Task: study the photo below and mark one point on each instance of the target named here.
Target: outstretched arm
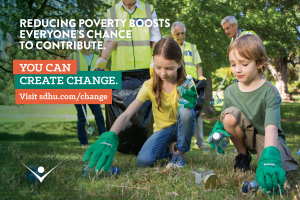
(122, 120)
(103, 150)
(108, 47)
(270, 175)
(271, 135)
(199, 71)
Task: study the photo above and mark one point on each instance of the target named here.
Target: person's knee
(188, 113)
(144, 161)
(229, 120)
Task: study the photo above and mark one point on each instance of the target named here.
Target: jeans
(96, 110)
(156, 147)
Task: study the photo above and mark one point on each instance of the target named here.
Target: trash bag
(200, 87)
(140, 126)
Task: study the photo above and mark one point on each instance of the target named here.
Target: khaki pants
(199, 131)
(255, 142)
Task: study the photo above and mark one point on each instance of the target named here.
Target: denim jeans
(156, 147)
(96, 110)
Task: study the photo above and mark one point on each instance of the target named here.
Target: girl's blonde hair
(250, 47)
(170, 50)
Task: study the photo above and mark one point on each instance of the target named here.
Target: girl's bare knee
(229, 120)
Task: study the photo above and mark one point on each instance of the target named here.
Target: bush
(217, 78)
(296, 84)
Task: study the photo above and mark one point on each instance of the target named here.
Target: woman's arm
(108, 48)
(271, 135)
(70, 56)
(122, 120)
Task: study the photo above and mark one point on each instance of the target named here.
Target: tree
(277, 23)
(12, 11)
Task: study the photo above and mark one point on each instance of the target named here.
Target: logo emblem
(41, 170)
(188, 53)
(139, 21)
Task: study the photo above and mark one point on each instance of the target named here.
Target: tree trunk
(273, 72)
(208, 108)
(281, 82)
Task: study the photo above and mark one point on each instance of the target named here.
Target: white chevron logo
(41, 170)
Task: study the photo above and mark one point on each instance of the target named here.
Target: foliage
(12, 11)
(296, 85)
(218, 76)
(276, 22)
(293, 74)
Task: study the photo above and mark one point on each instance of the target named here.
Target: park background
(46, 135)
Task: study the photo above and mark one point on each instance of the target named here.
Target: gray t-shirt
(261, 106)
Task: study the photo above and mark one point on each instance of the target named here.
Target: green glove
(269, 172)
(103, 151)
(190, 96)
(219, 128)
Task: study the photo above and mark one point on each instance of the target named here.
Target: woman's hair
(170, 50)
(250, 47)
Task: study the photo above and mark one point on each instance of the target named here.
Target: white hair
(79, 36)
(177, 24)
(231, 19)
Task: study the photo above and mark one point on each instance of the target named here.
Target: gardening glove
(103, 151)
(101, 62)
(219, 128)
(190, 96)
(269, 172)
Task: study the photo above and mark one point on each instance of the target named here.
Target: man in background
(135, 52)
(85, 60)
(192, 62)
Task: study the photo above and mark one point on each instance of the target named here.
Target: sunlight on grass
(48, 142)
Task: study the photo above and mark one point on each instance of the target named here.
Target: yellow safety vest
(135, 52)
(82, 64)
(240, 33)
(189, 59)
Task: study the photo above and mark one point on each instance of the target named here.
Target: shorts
(255, 142)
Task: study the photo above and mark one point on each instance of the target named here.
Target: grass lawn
(46, 135)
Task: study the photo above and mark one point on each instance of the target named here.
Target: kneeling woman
(171, 124)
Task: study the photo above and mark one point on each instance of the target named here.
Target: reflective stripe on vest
(122, 43)
(135, 52)
(82, 64)
(248, 32)
(189, 59)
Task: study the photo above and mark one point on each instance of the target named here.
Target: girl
(171, 124)
(251, 115)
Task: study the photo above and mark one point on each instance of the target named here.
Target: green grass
(47, 141)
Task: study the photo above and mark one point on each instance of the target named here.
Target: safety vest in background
(82, 64)
(240, 32)
(189, 59)
(135, 52)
